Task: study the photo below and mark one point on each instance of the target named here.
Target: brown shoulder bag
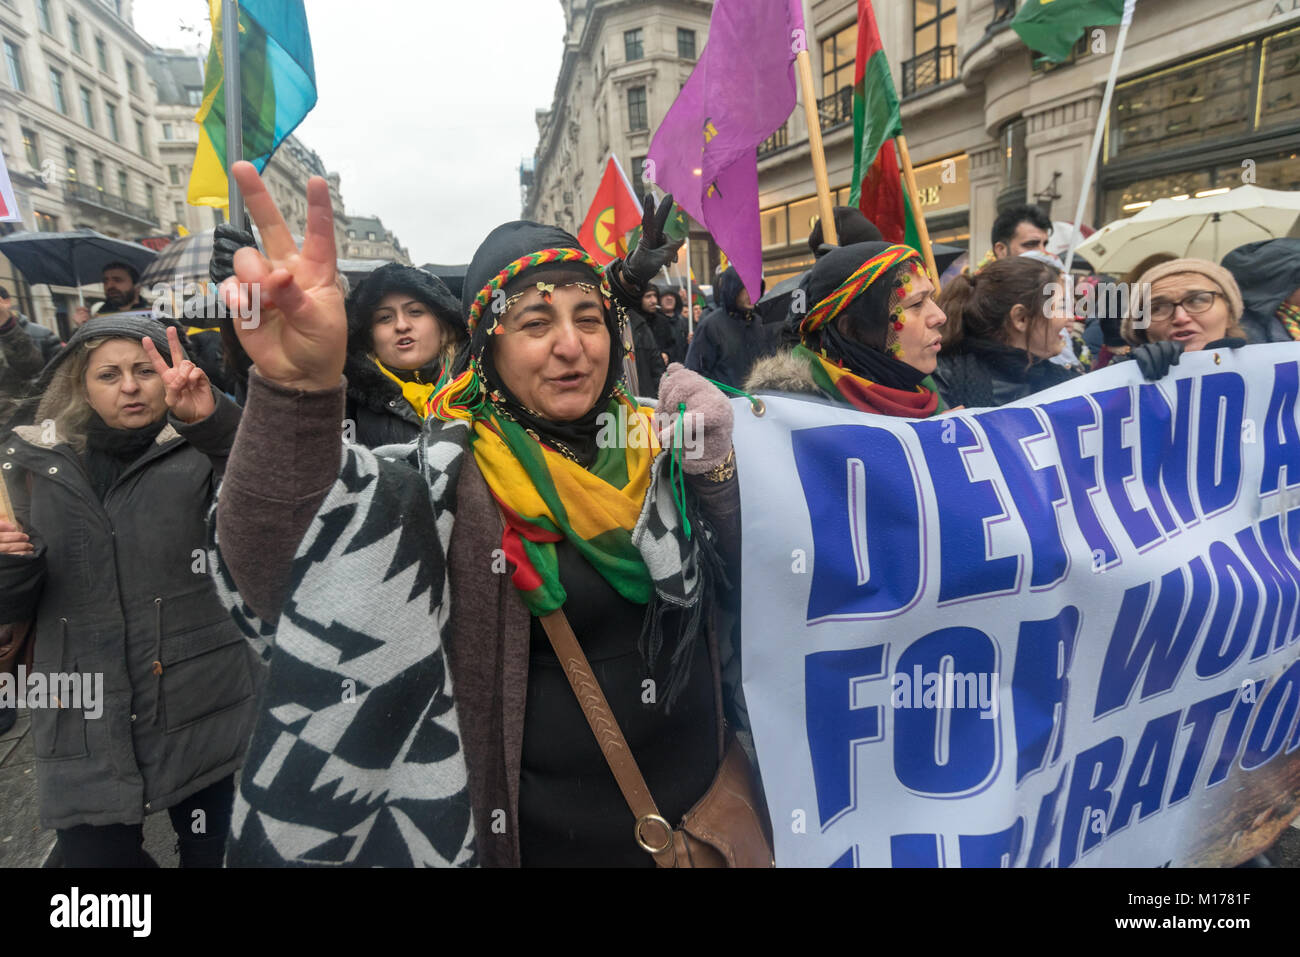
(727, 827)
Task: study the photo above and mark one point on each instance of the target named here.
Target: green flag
(1053, 27)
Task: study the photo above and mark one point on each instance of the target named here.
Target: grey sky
(425, 108)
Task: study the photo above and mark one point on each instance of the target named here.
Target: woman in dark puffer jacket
(1005, 324)
(111, 495)
(403, 329)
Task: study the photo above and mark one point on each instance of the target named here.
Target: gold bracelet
(724, 469)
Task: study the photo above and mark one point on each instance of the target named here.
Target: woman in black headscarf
(536, 461)
(403, 329)
(870, 338)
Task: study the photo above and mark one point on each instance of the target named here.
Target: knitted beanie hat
(1211, 271)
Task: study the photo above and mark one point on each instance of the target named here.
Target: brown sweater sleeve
(284, 461)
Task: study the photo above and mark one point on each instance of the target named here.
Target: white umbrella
(1205, 228)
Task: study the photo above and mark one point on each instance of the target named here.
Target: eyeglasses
(1194, 304)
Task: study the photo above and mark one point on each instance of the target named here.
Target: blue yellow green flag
(277, 85)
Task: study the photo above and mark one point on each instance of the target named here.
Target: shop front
(1205, 126)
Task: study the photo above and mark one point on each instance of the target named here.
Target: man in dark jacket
(1268, 274)
(121, 289)
(731, 338)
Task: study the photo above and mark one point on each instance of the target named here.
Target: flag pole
(234, 103)
(914, 199)
(829, 234)
(690, 296)
(1097, 135)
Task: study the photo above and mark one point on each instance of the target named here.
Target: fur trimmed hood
(783, 372)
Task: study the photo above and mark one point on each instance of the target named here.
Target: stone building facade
(368, 239)
(624, 63)
(1208, 98)
(76, 107)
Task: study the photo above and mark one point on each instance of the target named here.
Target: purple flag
(741, 91)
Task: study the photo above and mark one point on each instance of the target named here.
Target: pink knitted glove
(706, 427)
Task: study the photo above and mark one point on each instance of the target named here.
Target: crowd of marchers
(364, 619)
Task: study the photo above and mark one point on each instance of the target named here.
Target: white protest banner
(1058, 633)
(8, 205)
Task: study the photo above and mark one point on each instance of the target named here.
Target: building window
(74, 34)
(14, 61)
(685, 43)
(634, 43)
(174, 175)
(370, 236)
(167, 131)
(101, 53)
(45, 223)
(131, 83)
(87, 107)
(934, 44)
(70, 159)
(839, 51)
(139, 139)
(636, 109)
(98, 166)
(43, 12)
(178, 212)
(56, 89)
(194, 94)
(110, 110)
(148, 198)
(123, 184)
(31, 149)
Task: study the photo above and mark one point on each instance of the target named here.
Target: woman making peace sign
(110, 494)
(536, 489)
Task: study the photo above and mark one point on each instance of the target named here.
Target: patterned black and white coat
(356, 758)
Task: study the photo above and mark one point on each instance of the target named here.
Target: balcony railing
(837, 108)
(1003, 10)
(102, 199)
(778, 140)
(929, 69)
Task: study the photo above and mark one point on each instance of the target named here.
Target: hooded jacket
(1267, 273)
(728, 341)
(114, 590)
(375, 405)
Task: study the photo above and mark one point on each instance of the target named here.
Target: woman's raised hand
(189, 396)
(297, 333)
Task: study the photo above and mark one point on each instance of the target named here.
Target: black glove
(1155, 359)
(1231, 342)
(1110, 333)
(226, 241)
(654, 251)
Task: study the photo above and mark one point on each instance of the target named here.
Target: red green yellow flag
(877, 186)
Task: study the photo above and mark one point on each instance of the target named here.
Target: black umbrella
(69, 259)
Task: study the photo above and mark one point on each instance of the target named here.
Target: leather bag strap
(652, 832)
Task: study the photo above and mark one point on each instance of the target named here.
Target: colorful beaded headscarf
(483, 301)
(830, 308)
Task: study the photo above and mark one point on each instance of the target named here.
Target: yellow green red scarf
(416, 394)
(841, 385)
(546, 497)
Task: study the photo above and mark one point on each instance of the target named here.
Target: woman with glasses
(1194, 305)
